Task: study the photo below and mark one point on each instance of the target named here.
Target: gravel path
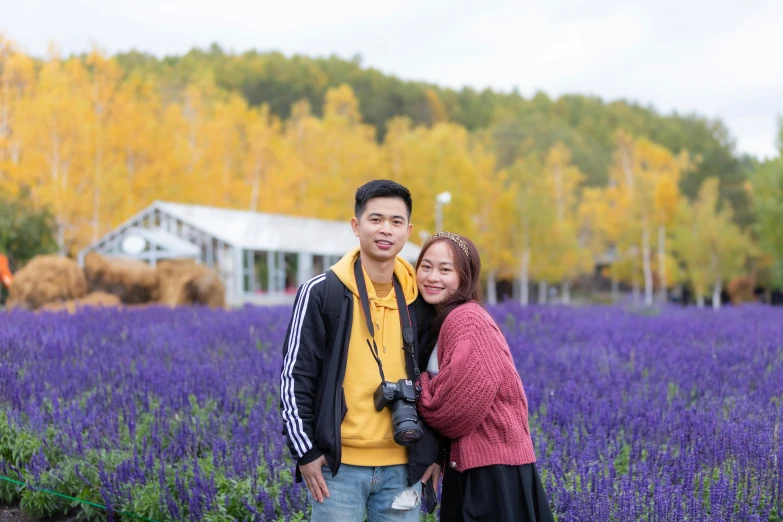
(14, 514)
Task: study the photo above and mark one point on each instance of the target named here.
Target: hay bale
(94, 300)
(46, 279)
(133, 281)
(183, 282)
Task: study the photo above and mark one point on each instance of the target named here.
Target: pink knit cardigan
(477, 399)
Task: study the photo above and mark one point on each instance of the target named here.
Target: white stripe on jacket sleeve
(302, 443)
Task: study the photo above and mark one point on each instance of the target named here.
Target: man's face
(383, 228)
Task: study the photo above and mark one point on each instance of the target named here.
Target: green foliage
(768, 201)
(9, 492)
(17, 446)
(623, 460)
(25, 231)
(39, 502)
(146, 502)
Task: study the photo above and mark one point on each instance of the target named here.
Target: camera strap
(405, 319)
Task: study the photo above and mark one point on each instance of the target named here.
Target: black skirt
(494, 493)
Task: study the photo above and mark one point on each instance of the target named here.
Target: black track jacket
(312, 402)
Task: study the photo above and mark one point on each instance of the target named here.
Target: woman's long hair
(468, 269)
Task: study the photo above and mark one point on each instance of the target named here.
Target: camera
(400, 397)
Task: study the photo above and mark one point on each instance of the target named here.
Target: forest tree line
(548, 188)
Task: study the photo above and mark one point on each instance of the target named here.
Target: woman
(472, 394)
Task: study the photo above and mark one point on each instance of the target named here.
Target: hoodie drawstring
(379, 321)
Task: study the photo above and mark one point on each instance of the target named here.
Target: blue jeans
(359, 489)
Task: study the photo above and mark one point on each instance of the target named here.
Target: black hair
(467, 265)
(381, 188)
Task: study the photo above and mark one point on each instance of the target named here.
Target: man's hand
(311, 473)
(434, 472)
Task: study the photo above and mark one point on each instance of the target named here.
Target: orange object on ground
(5, 272)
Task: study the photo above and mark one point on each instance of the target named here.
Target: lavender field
(172, 414)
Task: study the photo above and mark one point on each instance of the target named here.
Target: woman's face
(436, 276)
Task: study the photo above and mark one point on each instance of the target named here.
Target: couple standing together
(393, 376)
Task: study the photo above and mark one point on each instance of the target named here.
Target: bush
(25, 231)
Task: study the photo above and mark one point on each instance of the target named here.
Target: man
(344, 448)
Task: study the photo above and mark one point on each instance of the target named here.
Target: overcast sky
(719, 58)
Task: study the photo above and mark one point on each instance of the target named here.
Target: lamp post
(441, 199)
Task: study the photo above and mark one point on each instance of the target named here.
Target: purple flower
(669, 417)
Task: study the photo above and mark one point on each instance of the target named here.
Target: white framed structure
(261, 258)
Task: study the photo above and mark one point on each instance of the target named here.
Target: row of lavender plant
(165, 414)
(172, 414)
(674, 417)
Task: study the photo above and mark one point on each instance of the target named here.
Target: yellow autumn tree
(712, 246)
(17, 77)
(55, 160)
(443, 158)
(495, 198)
(335, 155)
(102, 84)
(608, 233)
(548, 242)
(140, 142)
(430, 161)
(648, 174)
(437, 112)
(570, 254)
(533, 218)
(225, 154)
(301, 164)
(263, 160)
(189, 148)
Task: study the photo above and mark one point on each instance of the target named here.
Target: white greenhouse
(261, 258)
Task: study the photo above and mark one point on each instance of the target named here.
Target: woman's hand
(433, 471)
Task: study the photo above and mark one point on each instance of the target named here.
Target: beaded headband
(453, 237)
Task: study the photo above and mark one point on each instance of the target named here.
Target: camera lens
(405, 421)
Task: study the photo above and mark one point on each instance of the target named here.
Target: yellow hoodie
(367, 434)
